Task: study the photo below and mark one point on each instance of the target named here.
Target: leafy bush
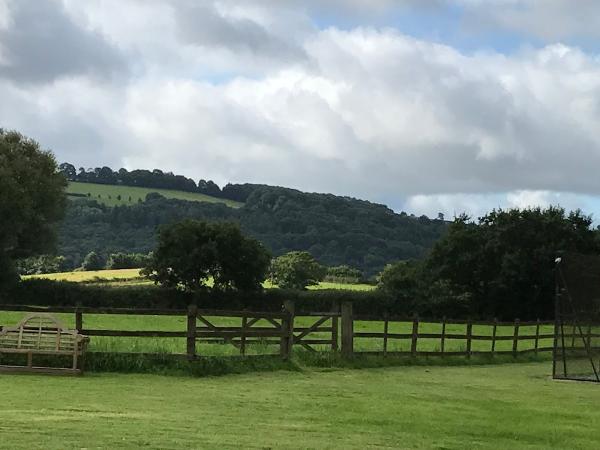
(343, 274)
(127, 260)
(92, 261)
(62, 293)
(42, 264)
(296, 270)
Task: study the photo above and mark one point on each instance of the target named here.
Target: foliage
(400, 281)
(191, 252)
(336, 230)
(155, 179)
(41, 264)
(143, 178)
(343, 274)
(127, 260)
(32, 200)
(46, 292)
(92, 261)
(503, 264)
(296, 270)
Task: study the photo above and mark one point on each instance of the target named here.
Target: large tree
(191, 252)
(502, 265)
(32, 200)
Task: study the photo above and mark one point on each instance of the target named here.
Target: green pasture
(102, 192)
(122, 277)
(508, 406)
(178, 345)
(91, 275)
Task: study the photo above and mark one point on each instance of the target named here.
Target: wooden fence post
(287, 328)
(516, 338)
(494, 336)
(469, 337)
(78, 319)
(347, 330)
(443, 338)
(415, 336)
(334, 333)
(385, 335)
(243, 336)
(191, 332)
(537, 335)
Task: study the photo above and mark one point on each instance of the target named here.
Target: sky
(427, 106)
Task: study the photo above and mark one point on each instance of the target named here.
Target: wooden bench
(42, 334)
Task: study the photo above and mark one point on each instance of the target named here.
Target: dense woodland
(336, 230)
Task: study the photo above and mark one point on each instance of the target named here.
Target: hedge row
(61, 293)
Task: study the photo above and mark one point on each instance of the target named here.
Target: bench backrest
(40, 331)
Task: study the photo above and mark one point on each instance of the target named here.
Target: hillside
(111, 195)
(336, 230)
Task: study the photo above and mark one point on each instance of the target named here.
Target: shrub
(127, 260)
(92, 261)
(296, 270)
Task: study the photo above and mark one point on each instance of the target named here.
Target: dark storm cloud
(42, 43)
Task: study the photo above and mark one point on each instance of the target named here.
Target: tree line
(499, 265)
(156, 179)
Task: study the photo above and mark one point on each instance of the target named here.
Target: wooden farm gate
(321, 323)
(255, 327)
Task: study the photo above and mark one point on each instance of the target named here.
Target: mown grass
(102, 192)
(130, 277)
(485, 407)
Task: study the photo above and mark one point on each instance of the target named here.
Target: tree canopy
(501, 265)
(191, 252)
(296, 270)
(32, 200)
(335, 230)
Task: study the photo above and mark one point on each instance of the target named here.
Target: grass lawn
(102, 192)
(478, 407)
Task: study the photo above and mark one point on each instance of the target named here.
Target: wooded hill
(336, 230)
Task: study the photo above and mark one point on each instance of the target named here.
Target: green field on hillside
(108, 194)
(509, 406)
(122, 277)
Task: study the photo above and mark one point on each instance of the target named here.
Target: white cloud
(366, 112)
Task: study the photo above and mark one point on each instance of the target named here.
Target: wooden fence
(281, 330)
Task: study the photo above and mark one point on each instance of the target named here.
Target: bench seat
(42, 334)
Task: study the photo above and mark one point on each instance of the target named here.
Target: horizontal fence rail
(330, 331)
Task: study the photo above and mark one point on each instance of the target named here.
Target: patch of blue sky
(447, 24)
